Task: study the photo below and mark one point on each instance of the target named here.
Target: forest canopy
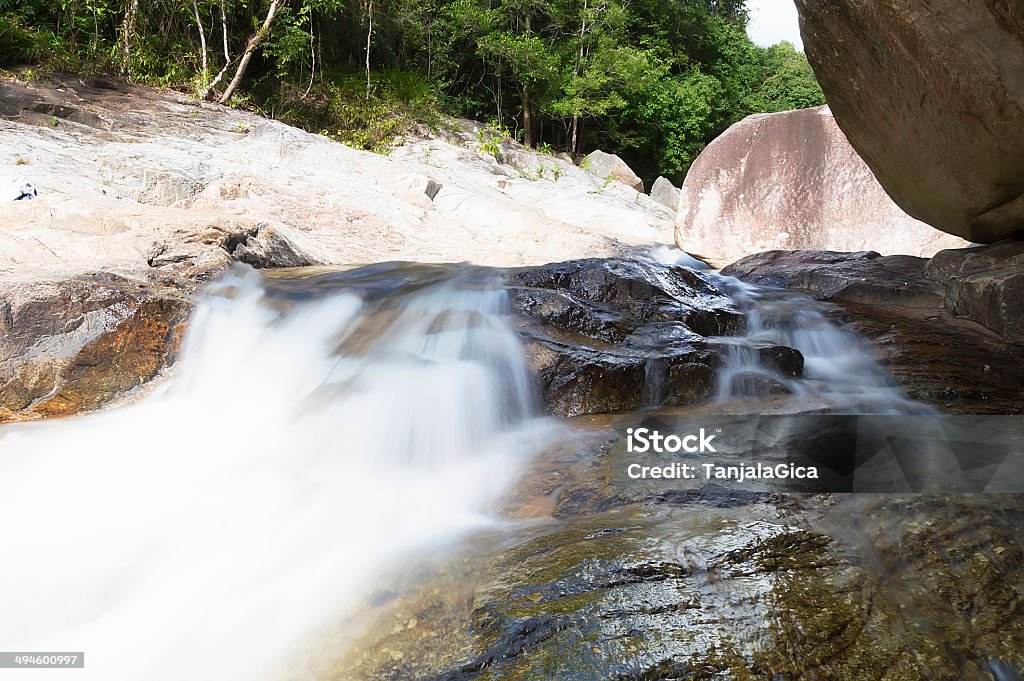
(651, 80)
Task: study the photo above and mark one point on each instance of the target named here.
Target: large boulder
(605, 165)
(931, 95)
(791, 181)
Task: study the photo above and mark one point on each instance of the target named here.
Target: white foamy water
(211, 530)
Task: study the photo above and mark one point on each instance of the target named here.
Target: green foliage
(338, 107)
(409, 88)
(789, 81)
(24, 45)
(490, 139)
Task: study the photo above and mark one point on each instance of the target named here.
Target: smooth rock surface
(604, 165)
(863, 277)
(931, 95)
(610, 580)
(791, 181)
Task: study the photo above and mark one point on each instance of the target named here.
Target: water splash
(211, 530)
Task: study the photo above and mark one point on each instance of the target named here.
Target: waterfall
(212, 530)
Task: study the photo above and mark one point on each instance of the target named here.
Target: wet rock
(898, 588)
(939, 359)
(985, 284)
(865, 277)
(614, 335)
(76, 345)
(605, 165)
(787, 361)
(645, 291)
(931, 95)
(791, 181)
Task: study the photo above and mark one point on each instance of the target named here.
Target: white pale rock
(170, 185)
(665, 193)
(605, 165)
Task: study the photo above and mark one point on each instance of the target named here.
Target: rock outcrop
(604, 165)
(863, 277)
(931, 95)
(985, 285)
(791, 181)
(73, 345)
(144, 195)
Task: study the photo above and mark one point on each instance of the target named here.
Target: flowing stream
(308, 441)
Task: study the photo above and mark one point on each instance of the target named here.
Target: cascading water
(210, 531)
(840, 372)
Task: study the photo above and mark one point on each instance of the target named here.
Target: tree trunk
(369, 39)
(527, 106)
(227, 55)
(250, 49)
(202, 42)
(128, 32)
(527, 119)
(579, 65)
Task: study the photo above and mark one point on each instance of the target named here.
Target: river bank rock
(634, 586)
(931, 95)
(143, 186)
(986, 285)
(863, 277)
(72, 346)
(791, 181)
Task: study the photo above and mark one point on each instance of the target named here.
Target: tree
(788, 81)
(250, 48)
